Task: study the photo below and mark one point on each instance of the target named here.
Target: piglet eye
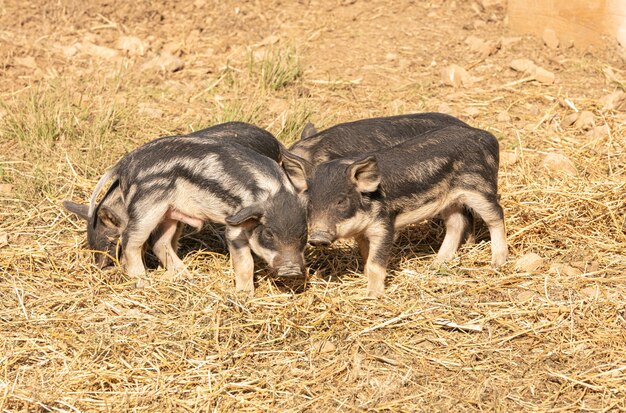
(343, 203)
(267, 234)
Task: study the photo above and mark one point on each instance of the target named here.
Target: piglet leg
(241, 257)
(380, 238)
(166, 240)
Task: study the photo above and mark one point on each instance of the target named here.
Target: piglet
(370, 196)
(226, 174)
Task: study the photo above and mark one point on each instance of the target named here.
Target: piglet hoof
(438, 261)
(375, 293)
(499, 260)
(245, 290)
(244, 294)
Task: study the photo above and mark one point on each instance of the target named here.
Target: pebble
(550, 38)
(509, 158)
(528, 66)
(614, 101)
(149, 111)
(556, 162)
(166, 62)
(391, 57)
(585, 121)
(569, 120)
(323, 347)
(523, 65)
(600, 131)
(503, 117)
(543, 76)
(456, 76)
(98, 51)
(27, 61)
(132, 45)
(530, 262)
(564, 269)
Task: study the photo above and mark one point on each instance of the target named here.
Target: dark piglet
(370, 196)
(369, 135)
(105, 227)
(226, 174)
(366, 135)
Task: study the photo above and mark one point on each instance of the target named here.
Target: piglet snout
(290, 270)
(320, 238)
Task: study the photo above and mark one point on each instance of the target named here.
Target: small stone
(530, 262)
(585, 121)
(509, 41)
(69, 51)
(398, 105)
(556, 268)
(278, 106)
(543, 76)
(614, 101)
(474, 43)
(446, 108)
(6, 188)
(172, 48)
(569, 120)
(586, 266)
(471, 112)
(526, 296)
(550, 38)
(4, 239)
(558, 163)
(98, 51)
(323, 347)
(523, 65)
(269, 40)
(503, 117)
(166, 62)
(508, 158)
(479, 24)
(590, 292)
(149, 111)
(27, 61)
(570, 271)
(489, 48)
(131, 45)
(456, 76)
(600, 131)
(391, 57)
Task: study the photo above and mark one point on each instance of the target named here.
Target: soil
(81, 83)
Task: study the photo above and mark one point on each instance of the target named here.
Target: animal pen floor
(82, 83)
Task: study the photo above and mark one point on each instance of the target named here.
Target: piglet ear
(364, 174)
(109, 218)
(80, 210)
(297, 170)
(308, 131)
(247, 217)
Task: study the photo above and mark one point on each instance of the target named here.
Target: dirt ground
(82, 83)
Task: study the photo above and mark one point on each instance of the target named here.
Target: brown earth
(546, 336)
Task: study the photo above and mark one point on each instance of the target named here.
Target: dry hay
(454, 338)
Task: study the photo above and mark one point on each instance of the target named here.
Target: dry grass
(455, 338)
